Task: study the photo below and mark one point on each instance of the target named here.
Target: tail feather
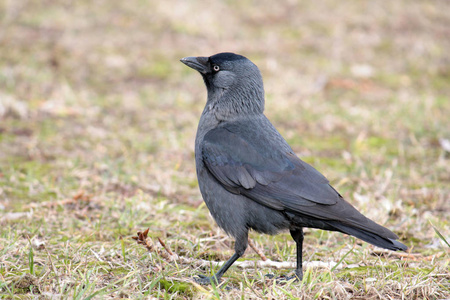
(369, 237)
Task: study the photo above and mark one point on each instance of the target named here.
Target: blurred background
(98, 116)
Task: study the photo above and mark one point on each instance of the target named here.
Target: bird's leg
(297, 235)
(239, 247)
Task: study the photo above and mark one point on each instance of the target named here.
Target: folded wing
(245, 162)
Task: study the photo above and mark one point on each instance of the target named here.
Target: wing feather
(264, 173)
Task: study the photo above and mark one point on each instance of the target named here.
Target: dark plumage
(249, 176)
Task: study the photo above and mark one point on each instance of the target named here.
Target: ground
(97, 126)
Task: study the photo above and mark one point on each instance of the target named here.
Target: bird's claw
(205, 280)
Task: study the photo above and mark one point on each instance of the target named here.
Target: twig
(263, 264)
(165, 247)
(259, 252)
(143, 239)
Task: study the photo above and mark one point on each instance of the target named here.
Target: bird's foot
(205, 280)
(284, 279)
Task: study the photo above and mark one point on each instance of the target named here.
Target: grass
(97, 128)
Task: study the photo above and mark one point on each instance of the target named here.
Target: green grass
(97, 129)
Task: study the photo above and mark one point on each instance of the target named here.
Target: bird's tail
(370, 237)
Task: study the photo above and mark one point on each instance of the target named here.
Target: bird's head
(233, 82)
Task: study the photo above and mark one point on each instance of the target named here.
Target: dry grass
(97, 126)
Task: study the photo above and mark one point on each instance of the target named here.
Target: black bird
(249, 176)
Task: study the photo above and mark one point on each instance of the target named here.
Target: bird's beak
(197, 63)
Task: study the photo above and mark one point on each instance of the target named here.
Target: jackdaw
(249, 176)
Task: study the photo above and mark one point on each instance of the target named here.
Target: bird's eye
(216, 68)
